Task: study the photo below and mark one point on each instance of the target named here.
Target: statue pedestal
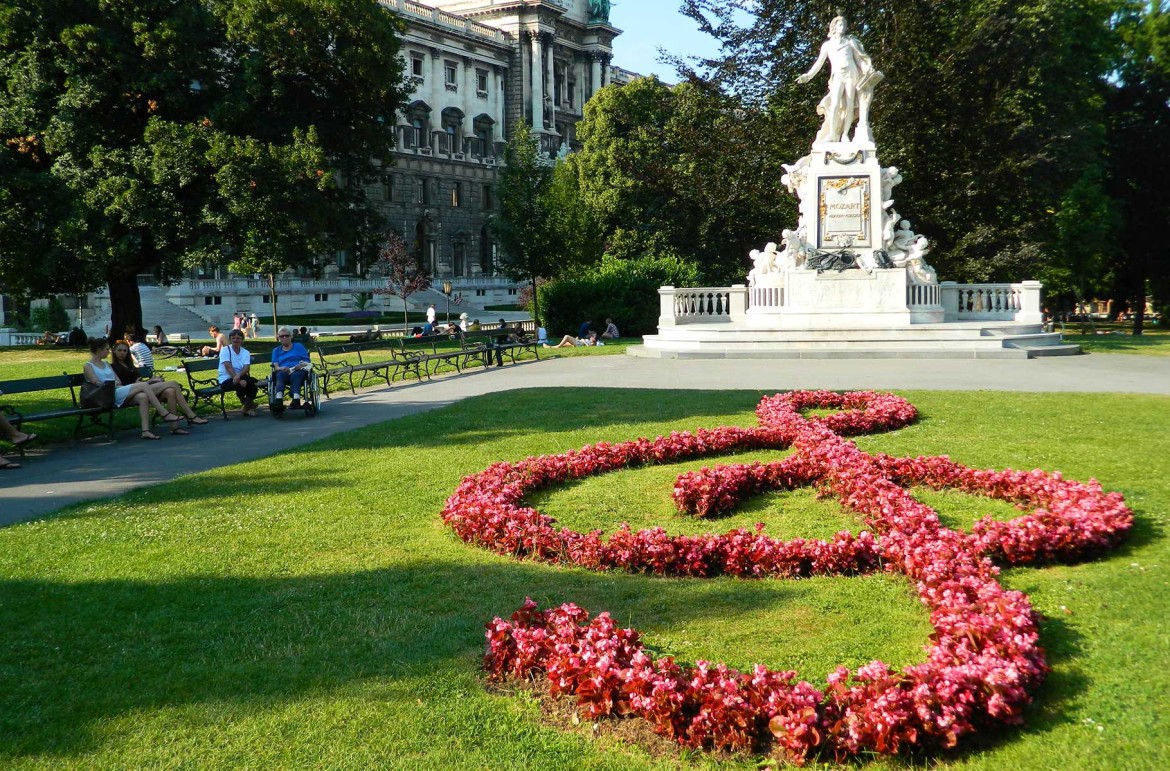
(854, 299)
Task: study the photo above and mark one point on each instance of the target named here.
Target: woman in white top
(97, 371)
(235, 365)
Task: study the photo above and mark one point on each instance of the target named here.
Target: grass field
(1116, 338)
(30, 361)
(253, 618)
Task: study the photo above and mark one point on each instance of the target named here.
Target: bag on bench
(101, 396)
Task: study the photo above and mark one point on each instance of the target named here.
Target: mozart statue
(851, 82)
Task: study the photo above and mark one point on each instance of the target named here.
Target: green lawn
(253, 618)
(1117, 338)
(31, 361)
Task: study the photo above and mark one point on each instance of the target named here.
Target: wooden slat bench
(359, 363)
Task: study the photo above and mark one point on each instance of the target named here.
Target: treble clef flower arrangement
(982, 662)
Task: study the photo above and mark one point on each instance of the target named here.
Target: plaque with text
(843, 212)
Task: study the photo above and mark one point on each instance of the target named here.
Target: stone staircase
(962, 340)
(157, 309)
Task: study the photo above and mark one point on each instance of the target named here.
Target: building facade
(477, 67)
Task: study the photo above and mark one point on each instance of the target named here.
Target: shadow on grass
(76, 655)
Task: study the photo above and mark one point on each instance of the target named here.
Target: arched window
(418, 115)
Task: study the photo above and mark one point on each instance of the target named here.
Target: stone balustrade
(700, 304)
(992, 302)
(960, 302)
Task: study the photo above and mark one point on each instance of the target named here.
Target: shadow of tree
(85, 652)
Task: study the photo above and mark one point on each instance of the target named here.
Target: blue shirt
(289, 358)
(584, 330)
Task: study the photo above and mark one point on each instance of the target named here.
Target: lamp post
(447, 291)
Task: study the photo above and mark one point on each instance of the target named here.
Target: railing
(922, 295)
(448, 20)
(699, 305)
(960, 302)
(992, 302)
(250, 285)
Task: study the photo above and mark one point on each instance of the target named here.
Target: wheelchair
(310, 397)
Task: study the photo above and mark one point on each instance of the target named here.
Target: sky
(649, 24)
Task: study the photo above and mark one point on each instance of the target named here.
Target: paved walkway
(95, 469)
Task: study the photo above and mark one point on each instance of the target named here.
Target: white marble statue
(796, 174)
(917, 269)
(891, 178)
(851, 82)
(795, 254)
(764, 263)
(900, 243)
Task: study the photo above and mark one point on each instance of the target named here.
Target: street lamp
(447, 291)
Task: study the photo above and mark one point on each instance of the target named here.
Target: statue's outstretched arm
(812, 73)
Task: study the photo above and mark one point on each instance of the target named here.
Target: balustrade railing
(960, 302)
(923, 295)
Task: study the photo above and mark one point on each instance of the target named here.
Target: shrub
(53, 318)
(623, 290)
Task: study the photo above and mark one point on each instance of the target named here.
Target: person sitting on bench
(290, 369)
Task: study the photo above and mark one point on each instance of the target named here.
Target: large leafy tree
(145, 136)
(681, 172)
(1139, 155)
(991, 108)
(526, 225)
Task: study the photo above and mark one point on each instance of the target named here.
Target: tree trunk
(125, 306)
(272, 297)
(535, 304)
(405, 320)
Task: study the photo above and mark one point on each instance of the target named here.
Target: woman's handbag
(101, 396)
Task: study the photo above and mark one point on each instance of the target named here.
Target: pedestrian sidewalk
(94, 469)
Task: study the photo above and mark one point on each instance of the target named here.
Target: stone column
(438, 91)
(550, 79)
(537, 77)
(595, 83)
(605, 60)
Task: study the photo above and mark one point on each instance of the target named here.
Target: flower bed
(984, 657)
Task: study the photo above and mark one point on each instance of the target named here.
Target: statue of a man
(851, 82)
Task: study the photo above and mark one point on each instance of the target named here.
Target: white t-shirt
(431, 315)
(238, 361)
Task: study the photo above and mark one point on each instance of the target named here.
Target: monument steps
(1010, 340)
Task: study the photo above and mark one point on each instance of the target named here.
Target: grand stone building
(478, 68)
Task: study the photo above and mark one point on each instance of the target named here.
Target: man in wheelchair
(291, 369)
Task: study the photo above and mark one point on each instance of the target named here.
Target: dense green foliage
(1139, 157)
(253, 617)
(623, 290)
(525, 227)
(681, 172)
(146, 136)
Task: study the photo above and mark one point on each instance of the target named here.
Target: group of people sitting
(290, 370)
(587, 336)
(119, 364)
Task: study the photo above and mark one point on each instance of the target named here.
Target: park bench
(176, 345)
(379, 359)
(203, 380)
(425, 351)
(484, 341)
(87, 417)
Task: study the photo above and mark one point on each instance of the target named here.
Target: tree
(404, 274)
(685, 172)
(525, 226)
(992, 108)
(128, 132)
(1138, 111)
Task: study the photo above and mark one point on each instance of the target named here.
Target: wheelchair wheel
(312, 400)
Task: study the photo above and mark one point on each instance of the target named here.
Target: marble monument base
(851, 299)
